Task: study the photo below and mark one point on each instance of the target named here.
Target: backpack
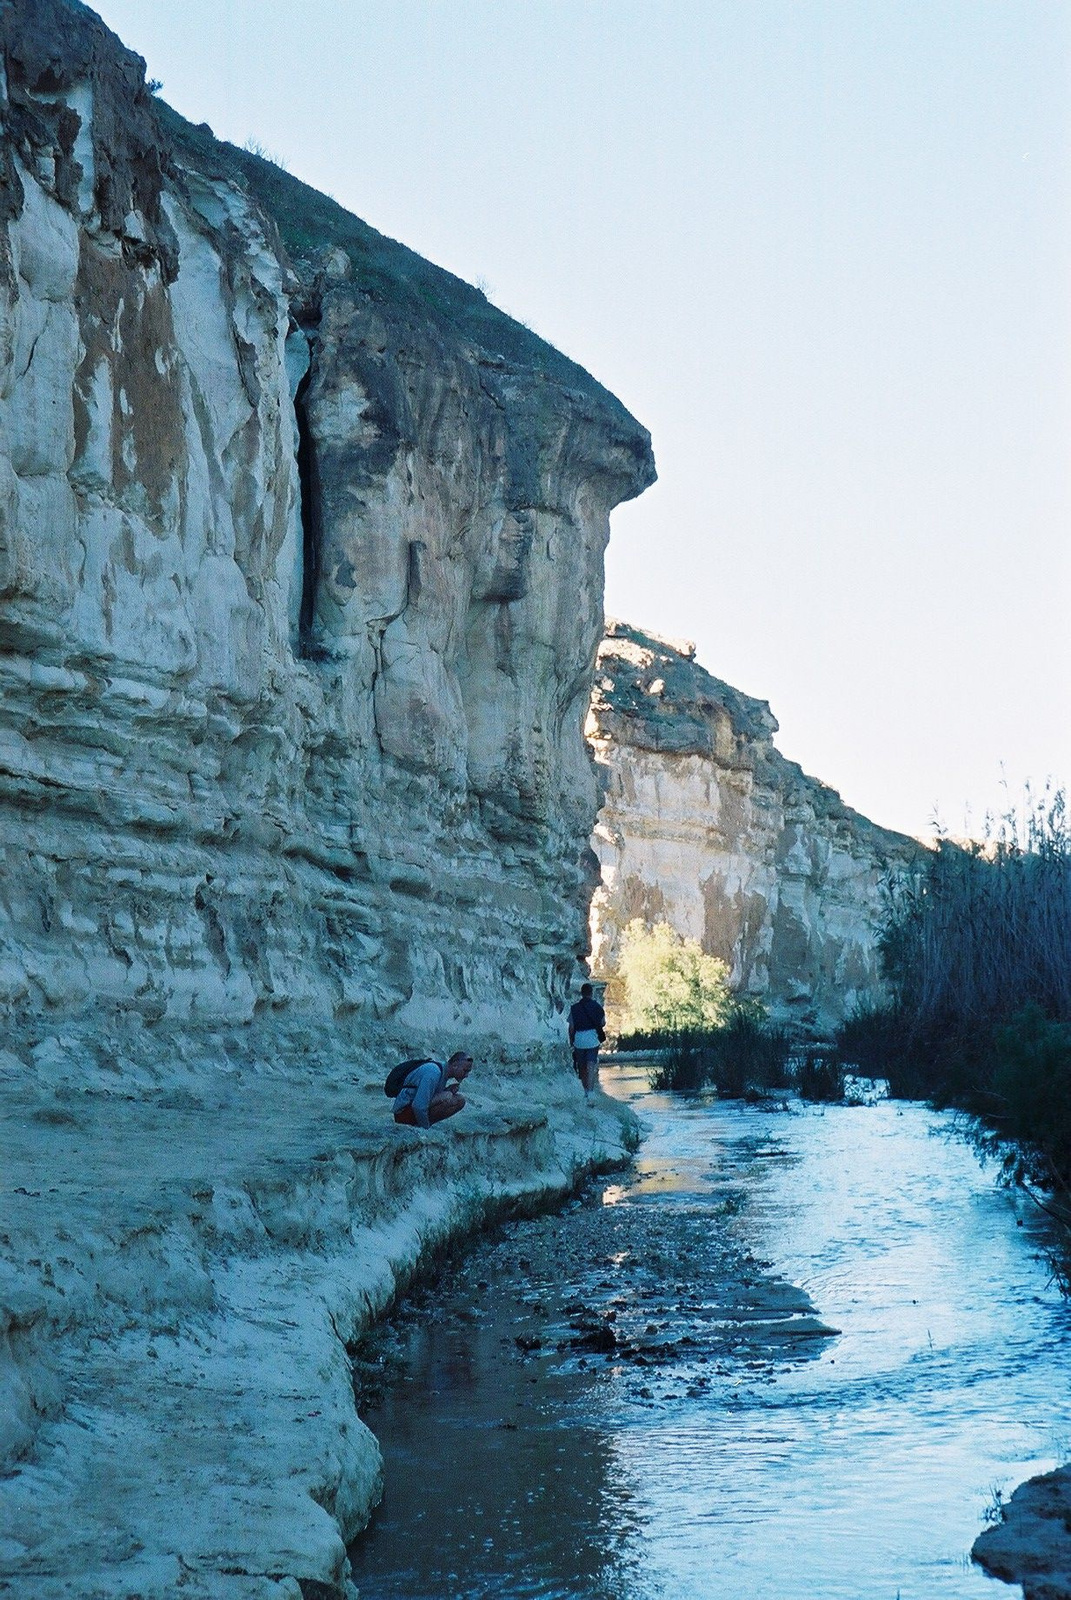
(397, 1075)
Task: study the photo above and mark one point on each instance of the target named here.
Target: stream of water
(793, 1356)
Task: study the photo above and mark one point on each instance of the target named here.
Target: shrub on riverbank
(819, 1075)
(1029, 1100)
(746, 1058)
(677, 1000)
(670, 984)
(746, 1055)
(976, 954)
(985, 928)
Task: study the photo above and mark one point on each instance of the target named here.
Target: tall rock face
(301, 552)
(706, 826)
(300, 589)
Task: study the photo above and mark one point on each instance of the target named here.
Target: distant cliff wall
(706, 826)
(300, 587)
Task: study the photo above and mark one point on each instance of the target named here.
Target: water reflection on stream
(634, 1400)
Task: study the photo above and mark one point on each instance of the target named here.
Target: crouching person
(429, 1091)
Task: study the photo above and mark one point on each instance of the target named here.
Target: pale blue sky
(822, 248)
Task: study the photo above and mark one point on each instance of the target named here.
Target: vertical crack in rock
(308, 489)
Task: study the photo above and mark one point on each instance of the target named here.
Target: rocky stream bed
(794, 1354)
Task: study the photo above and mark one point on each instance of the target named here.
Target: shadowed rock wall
(300, 586)
(706, 826)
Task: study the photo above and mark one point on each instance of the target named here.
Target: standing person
(424, 1097)
(587, 1030)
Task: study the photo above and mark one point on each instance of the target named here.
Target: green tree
(669, 982)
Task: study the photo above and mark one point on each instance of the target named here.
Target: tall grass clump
(976, 955)
(986, 928)
(745, 1057)
(819, 1075)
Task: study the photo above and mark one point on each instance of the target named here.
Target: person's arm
(572, 1026)
(428, 1077)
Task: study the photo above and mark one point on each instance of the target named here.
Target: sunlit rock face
(300, 588)
(706, 826)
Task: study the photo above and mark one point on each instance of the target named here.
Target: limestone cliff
(705, 825)
(300, 579)
(300, 592)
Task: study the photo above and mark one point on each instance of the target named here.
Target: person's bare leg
(445, 1104)
(586, 1066)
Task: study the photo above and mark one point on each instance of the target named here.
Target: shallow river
(794, 1355)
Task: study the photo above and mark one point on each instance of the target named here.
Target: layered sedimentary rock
(293, 694)
(300, 590)
(706, 826)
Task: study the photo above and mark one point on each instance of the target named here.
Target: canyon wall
(301, 551)
(300, 586)
(706, 826)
